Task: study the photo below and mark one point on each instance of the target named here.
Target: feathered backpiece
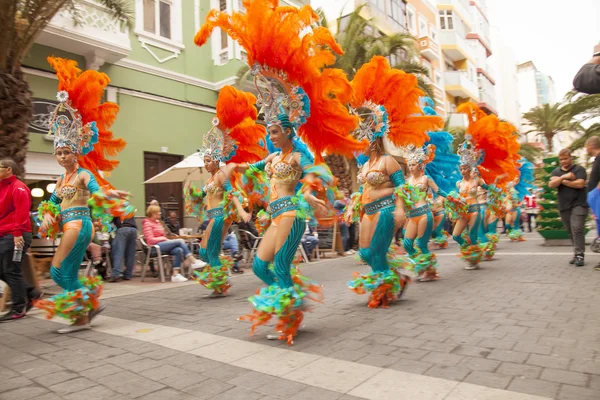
(235, 136)
(526, 178)
(490, 145)
(80, 121)
(287, 53)
(387, 102)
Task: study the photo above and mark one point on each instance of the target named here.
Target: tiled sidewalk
(522, 324)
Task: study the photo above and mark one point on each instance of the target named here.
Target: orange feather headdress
(81, 121)
(387, 101)
(235, 136)
(491, 145)
(287, 56)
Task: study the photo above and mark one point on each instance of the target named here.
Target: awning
(42, 166)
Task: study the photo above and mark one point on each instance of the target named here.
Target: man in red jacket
(15, 233)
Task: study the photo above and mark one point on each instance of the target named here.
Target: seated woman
(154, 234)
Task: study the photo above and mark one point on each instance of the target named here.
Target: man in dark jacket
(587, 79)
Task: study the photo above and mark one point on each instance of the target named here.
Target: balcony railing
(487, 98)
(98, 36)
(458, 47)
(429, 49)
(456, 120)
(458, 84)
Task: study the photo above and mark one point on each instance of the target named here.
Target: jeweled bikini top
(69, 191)
(212, 187)
(421, 183)
(373, 177)
(283, 171)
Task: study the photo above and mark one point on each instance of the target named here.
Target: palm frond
(579, 143)
(119, 9)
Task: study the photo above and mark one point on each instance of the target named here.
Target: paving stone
(224, 373)
(378, 360)
(548, 361)
(488, 379)
(407, 342)
(143, 365)
(378, 338)
(24, 393)
(130, 384)
(313, 393)
(474, 351)
(588, 366)
(520, 370)
(170, 394)
(208, 389)
(348, 355)
(412, 366)
(497, 344)
(455, 373)
(442, 358)
(37, 369)
(48, 396)
(56, 377)
(479, 364)
(533, 348)
(162, 372)
(443, 347)
(555, 341)
(534, 386)
(160, 353)
(409, 354)
(95, 393)
(567, 377)
(238, 393)
(508, 355)
(467, 340)
(435, 336)
(71, 386)
(97, 374)
(568, 392)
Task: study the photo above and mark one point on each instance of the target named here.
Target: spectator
(310, 240)
(587, 79)
(173, 223)
(593, 187)
(570, 178)
(530, 207)
(95, 251)
(340, 206)
(154, 233)
(123, 247)
(15, 233)
(249, 227)
(231, 243)
(163, 212)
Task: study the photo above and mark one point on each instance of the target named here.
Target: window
(397, 11)
(446, 20)
(428, 67)
(411, 18)
(223, 7)
(157, 13)
(433, 32)
(423, 31)
(437, 78)
(158, 25)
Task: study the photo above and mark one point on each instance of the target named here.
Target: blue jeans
(124, 247)
(309, 243)
(345, 235)
(177, 248)
(231, 243)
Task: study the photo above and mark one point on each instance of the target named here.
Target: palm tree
(360, 40)
(592, 130)
(530, 152)
(21, 22)
(549, 120)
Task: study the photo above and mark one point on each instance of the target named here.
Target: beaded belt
(215, 212)
(417, 212)
(475, 207)
(283, 204)
(439, 212)
(378, 205)
(74, 213)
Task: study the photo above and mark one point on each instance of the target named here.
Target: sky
(558, 36)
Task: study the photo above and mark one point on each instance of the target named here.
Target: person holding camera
(15, 239)
(587, 79)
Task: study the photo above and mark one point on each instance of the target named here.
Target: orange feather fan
(283, 39)
(499, 142)
(85, 91)
(237, 114)
(399, 94)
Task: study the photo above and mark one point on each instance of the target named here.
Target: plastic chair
(153, 253)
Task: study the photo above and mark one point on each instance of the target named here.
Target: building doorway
(169, 195)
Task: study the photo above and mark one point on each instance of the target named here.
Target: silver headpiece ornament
(217, 144)
(422, 155)
(469, 155)
(68, 129)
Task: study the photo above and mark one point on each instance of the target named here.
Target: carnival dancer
(443, 169)
(493, 212)
(419, 217)
(515, 200)
(489, 151)
(234, 138)
(300, 99)
(387, 101)
(82, 139)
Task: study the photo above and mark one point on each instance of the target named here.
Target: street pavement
(523, 327)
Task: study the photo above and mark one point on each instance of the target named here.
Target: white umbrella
(190, 169)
